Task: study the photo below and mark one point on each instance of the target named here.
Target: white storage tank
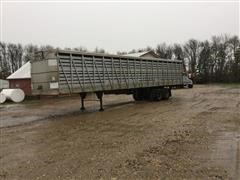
(15, 95)
(2, 98)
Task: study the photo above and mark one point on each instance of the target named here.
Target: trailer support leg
(83, 96)
(99, 96)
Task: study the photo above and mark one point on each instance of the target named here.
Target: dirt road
(195, 134)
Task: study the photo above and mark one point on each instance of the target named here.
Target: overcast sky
(116, 26)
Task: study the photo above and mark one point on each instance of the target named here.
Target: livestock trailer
(68, 72)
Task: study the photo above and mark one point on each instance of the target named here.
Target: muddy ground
(194, 135)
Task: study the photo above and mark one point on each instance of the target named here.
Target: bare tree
(132, 51)
(204, 62)
(233, 59)
(164, 51)
(179, 54)
(5, 65)
(14, 52)
(46, 48)
(80, 48)
(99, 50)
(219, 55)
(29, 51)
(191, 51)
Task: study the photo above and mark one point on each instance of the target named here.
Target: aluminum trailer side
(69, 72)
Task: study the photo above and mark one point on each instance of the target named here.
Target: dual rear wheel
(152, 94)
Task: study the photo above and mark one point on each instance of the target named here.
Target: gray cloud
(116, 26)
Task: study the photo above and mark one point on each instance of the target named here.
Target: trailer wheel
(155, 95)
(137, 96)
(166, 94)
(190, 86)
(158, 97)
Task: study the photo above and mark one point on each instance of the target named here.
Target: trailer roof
(113, 55)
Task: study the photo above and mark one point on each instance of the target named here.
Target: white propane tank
(2, 98)
(16, 95)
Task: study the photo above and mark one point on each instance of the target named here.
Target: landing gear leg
(83, 96)
(99, 96)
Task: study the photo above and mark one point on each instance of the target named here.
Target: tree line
(213, 60)
(206, 61)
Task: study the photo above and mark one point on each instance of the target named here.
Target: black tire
(190, 86)
(137, 96)
(159, 97)
(155, 95)
(166, 94)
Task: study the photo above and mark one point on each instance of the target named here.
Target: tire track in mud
(164, 155)
(172, 156)
(200, 102)
(238, 104)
